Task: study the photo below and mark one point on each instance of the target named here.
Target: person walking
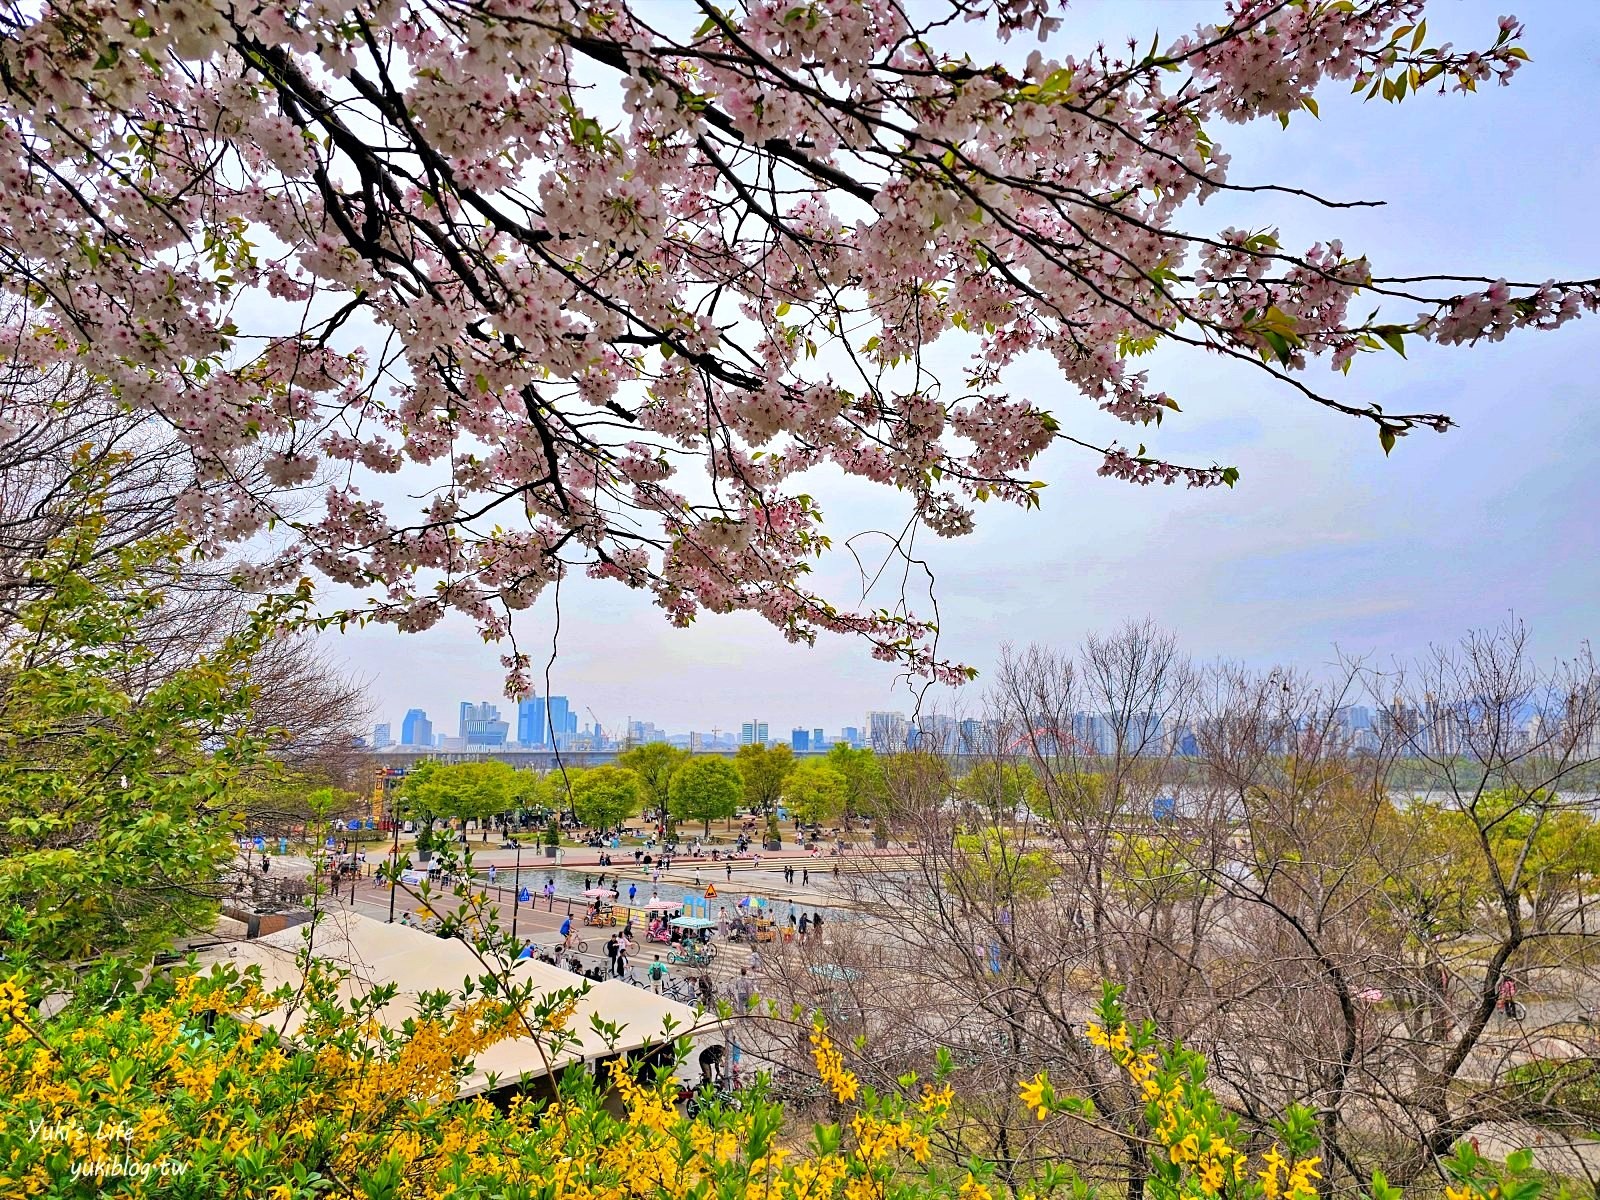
(550, 895)
(744, 990)
(816, 925)
(697, 879)
(805, 924)
(611, 953)
(633, 891)
(657, 974)
(1508, 999)
(805, 876)
(492, 874)
(727, 871)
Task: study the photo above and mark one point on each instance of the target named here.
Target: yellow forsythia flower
(1033, 1095)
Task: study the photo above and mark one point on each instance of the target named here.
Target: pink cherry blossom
(612, 276)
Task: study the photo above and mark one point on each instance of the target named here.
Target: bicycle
(673, 989)
(703, 1099)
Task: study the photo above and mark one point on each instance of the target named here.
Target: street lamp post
(394, 863)
(516, 891)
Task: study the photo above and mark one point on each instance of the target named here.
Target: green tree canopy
(763, 770)
(119, 760)
(477, 791)
(1000, 789)
(815, 791)
(866, 791)
(995, 867)
(705, 788)
(554, 789)
(417, 798)
(653, 763)
(604, 797)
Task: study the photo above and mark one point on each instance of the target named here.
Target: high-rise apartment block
(800, 740)
(889, 732)
(380, 736)
(753, 733)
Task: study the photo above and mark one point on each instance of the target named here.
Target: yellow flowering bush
(1198, 1151)
(175, 1091)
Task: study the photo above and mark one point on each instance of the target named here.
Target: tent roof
(377, 953)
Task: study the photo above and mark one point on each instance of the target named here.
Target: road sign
(711, 891)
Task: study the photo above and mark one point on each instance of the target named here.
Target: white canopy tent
(377, 953)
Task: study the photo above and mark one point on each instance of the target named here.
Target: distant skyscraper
(530, 722)
(481, 725)
(563, 722)
(818, 742)
(800, 740)
(753, 733)
(380, 736)
(416, 729)
(545, 721)
(852, 735)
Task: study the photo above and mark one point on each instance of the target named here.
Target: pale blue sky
(1323, 542)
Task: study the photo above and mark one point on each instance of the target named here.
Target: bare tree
(1322, 884)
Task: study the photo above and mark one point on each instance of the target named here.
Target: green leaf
(1395, 340)
(783, 309)
(1386, 438)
